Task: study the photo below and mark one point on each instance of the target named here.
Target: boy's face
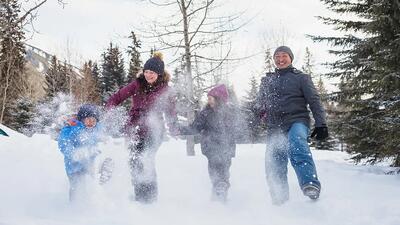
(89, 122)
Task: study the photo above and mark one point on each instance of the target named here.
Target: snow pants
(218, 170)
(282, 146)
(143, 171)
(78, 182)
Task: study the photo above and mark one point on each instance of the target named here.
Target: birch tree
(193, 32)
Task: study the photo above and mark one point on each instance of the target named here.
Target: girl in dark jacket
(151, 98)
(215, 123)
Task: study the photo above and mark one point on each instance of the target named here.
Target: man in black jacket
(282, 101)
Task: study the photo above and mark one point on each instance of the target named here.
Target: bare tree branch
(32, 14)
(199, 9)
(161, 4)
(202, 21)
(220, 62)
(228, 59)
(196, 30)
(22, 18)
(189, 3)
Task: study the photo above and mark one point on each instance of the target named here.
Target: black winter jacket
(218, 130)
(284, 97)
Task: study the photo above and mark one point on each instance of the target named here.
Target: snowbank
(34, 190)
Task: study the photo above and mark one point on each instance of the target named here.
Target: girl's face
(212, 102)
(150, 76)
(89, 122)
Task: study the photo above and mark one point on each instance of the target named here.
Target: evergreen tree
(22, 113)
(268, 61)
(56, 78)
(135, 63)
(51, 77)
(65, 78)
(369, 68)
(95, 71)
(12, 62)
(112, 76)
(255, 127)
(308, 66)
(178, 83)
(323, 93)
(96, 76)
(85, 89)
(91, 82)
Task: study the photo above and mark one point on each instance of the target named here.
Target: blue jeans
(282, 146)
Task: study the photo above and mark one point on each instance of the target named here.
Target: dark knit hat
(88, 110)
(286, 50)
(220, 92)
(155, 64)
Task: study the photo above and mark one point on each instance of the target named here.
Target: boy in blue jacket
(78, 143)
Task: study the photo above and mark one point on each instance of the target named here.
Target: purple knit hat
(220, 92)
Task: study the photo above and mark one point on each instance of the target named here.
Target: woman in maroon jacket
(151, 98)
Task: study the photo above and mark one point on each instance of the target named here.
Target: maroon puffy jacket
(148, 106)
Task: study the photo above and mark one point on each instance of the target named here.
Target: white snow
(34, 190)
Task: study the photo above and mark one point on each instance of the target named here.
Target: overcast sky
(87, 27)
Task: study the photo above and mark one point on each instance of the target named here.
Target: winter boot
(311, 191)
(220, 192)
(146, 192)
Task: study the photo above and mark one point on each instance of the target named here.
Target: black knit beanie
(155, 64)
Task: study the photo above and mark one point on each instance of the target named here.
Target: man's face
(282, 60)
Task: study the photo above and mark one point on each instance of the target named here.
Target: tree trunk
(189, 79)
(3, 108)
(7, 85)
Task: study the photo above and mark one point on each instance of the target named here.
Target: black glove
(321, 132)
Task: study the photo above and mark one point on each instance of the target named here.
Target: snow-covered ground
(34, 190)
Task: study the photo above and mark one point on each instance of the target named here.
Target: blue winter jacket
(78, 144)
